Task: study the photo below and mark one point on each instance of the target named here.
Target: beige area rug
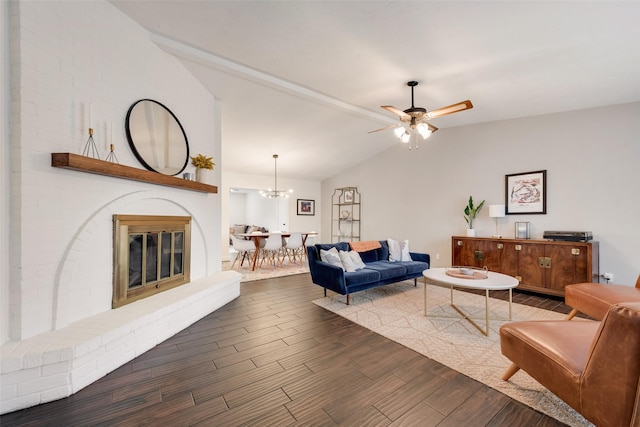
(267, 271)
(397, 312)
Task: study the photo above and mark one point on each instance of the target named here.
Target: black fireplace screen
(153, 255)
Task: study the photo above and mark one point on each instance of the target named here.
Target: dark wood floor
(273, 358)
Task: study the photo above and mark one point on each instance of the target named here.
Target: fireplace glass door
(151, 254)
(155, 256)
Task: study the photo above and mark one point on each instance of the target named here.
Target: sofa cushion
(414, 267)
(347, 262)
(340, 246)
(388, 270)
(351, 261)
(361, 277)
(383, 252)
(398, 250)
(357, 260)
(238, 229)
(369, 256)
(331, 256)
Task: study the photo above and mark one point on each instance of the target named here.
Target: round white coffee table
(492, 282)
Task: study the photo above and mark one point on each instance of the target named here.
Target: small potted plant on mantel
(470, 212)
(202, 164)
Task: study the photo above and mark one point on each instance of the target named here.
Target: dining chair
(271, 250)
(243, 248)
(308, 242)
(261, 241)
(294, 248)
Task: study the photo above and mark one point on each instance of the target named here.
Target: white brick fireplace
(65, 59)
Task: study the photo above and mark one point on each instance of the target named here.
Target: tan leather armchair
(594, 366)
(594, 299)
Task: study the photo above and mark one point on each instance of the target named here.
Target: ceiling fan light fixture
(423, 130)
(399, 131)
(413, 120)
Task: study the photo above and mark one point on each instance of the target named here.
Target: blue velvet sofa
(378, 269)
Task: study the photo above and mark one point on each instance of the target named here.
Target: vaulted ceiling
(306, 79)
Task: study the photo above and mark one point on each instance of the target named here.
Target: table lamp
(496, 211)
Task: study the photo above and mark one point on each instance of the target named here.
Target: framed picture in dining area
(306, 207)
(526, 193)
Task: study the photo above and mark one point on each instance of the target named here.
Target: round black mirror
(156, 137)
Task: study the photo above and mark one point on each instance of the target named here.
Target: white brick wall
(70, 56)
(65, 57)
(56, 364)
(5, 171)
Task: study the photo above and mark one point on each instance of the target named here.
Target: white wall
(237, 208)
(273, 214)
(591, 157)
(5, 171)
(67, 56)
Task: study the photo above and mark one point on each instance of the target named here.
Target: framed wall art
(526, 193)
(306, 207)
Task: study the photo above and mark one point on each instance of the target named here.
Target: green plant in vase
(202, 162)
(470, 212)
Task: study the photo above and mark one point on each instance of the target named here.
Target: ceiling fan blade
(384, 128)
(450, 109)
(396, 111)
(432, 127)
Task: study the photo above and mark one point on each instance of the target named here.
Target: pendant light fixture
(275, 193)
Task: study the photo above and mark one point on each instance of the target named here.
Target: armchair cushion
(594, 299)
(553, 353)
(593, 366)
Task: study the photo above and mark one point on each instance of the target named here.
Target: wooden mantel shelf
(101, 167)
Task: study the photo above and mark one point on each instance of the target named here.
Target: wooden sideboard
(543, 266)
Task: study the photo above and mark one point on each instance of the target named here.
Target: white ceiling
(306, 79)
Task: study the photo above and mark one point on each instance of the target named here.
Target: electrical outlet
(437, 256)
(608, 276)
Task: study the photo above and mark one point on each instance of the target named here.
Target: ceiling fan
(414, 121)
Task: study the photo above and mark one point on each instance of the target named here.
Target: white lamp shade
(423, 130)
(496, 211)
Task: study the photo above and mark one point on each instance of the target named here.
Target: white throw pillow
(404, 249)
(395, 254)
(331, 257)
(347, 262)
(398, 250)
(357, 261)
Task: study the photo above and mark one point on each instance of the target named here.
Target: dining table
(257, 237)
